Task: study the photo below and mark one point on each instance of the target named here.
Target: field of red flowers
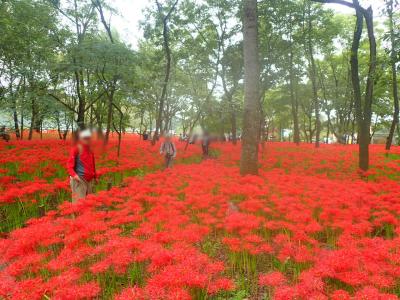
(33, 177)
(311, 226)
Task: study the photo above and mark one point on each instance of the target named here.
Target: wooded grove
(314, 75)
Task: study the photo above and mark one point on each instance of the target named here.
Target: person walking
(81, 167)
(168, 149)
(205, 144)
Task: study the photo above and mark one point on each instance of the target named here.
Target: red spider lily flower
(191, 229)
(273, 279)
(340, 295)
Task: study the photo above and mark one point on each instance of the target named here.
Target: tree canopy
(64, 66)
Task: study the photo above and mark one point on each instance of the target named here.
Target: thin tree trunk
(67, 124)
(41, 129)
(167, 50)
(251, 115)
(22, 124)
(328, 132)
(14, 109)
(233, 128)
(91, 118)
(15, 117)
(395, 120)
(294, 102)
(109, 116)
(119, 132)
(192, 128)
(80, 86)
(293, 96)
(353, 128)
(141, 124)
(313, 74)
(33, 118)
(59, 126)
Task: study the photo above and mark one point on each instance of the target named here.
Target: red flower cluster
(30, 168)
(309, 227)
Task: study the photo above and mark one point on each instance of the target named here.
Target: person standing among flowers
(168, 148)
(81, 167)
(205, 144)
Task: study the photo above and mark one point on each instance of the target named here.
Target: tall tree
(251, 112)
(292, 82)
(393, 61)
(164, 17)
(363, 107)
(313, 73)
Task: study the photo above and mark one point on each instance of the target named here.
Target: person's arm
(71, 163)
(175, 151)
(162, 148)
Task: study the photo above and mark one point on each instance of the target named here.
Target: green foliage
(62, 63)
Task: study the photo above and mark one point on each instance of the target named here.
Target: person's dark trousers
(168, 161)
(205, 150)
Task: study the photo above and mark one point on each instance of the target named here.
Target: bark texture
(251, 114)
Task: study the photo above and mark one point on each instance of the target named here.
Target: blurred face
(86, 141)
(167, 138)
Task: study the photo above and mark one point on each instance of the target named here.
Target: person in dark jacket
(81, 167)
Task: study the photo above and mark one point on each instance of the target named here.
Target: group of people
(168, 148)
(81, 165)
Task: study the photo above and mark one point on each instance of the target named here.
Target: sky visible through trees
(131, 12)
(178, 66)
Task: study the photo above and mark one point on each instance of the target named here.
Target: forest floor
(311, 226)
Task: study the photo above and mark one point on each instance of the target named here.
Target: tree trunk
(328, 130)
(192, 128)
(141, 131)
(119, 131)
(15, 117)
(60, 136)
(91, 118)
(395, 120)
(363, 142)
(80, 85)
(251, 114)
(33, 118)
(41, 129)
(363, 108)
(109, 117)
(294, 102)
(233, 127)
(167, 50)
(313, 77)
(22, 124)
(353, 129)
(363, 112)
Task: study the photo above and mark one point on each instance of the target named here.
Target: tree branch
(171, 10)
(94, 101)
(106, 25)
(343, 2)
(63, 103)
